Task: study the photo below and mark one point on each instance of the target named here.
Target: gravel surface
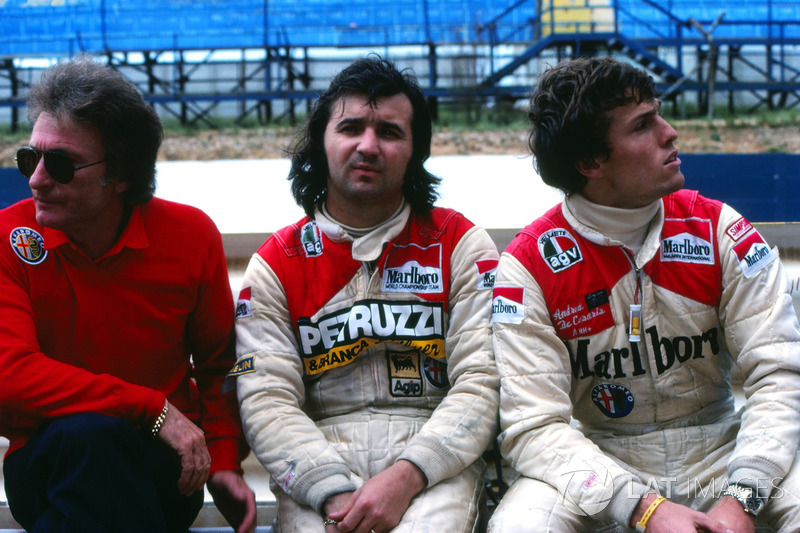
(271, 143)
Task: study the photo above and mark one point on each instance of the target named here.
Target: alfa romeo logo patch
(28, 244)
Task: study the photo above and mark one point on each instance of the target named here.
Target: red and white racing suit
(652, 397)
(355, 353)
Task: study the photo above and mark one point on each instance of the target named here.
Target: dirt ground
(270, 143)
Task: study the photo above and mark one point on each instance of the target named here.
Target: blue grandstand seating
(28, 28)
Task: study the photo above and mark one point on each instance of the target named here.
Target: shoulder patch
(739, 229)
(28, 244)
(753, 254)
(311, 239)
(243, 307)
(487, 269)
(243, 366)
(559, 249)
(508, 305)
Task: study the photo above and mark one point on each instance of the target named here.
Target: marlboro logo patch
(487, 268)
(412, 268)
(688, 240)
(753, 254)
(508, 305)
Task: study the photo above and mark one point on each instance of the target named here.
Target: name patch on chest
(585, 316)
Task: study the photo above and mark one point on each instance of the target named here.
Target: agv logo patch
(559, 249)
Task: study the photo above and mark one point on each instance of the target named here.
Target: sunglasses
(60, 166)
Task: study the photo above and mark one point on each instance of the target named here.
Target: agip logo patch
(559, 249)
(404, 373)
(28, 244)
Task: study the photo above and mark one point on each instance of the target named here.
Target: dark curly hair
(570, 114)
(96, 95)
(375, 78)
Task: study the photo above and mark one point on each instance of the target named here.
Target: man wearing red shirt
(117, 326)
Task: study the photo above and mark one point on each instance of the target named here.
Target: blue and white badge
(615, 401)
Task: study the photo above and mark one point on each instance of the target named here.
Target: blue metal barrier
(762, 187)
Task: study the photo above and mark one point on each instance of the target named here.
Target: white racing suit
(653, 413)
(353, 354)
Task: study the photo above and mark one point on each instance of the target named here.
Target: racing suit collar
(367, 247)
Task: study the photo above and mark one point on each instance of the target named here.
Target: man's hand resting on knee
(379, 504)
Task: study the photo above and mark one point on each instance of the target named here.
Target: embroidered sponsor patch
(311, 239)
(585, 316)
(687, 240)
(28, 244)
(412, 268)
(614, 401)
(739, 229)
(508, 305)
(405, 375)
(243, 307)
(487, 269)
(559, 249)
(754, 254)
(338, 338)
(243, 366)
(435, 372)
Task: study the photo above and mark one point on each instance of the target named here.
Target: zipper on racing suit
(635, 319)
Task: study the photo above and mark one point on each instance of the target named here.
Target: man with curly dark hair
(365, 375)
(618, 318)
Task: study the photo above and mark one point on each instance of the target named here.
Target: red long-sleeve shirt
(118, 334)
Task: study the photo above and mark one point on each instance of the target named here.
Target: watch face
(754, 503)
